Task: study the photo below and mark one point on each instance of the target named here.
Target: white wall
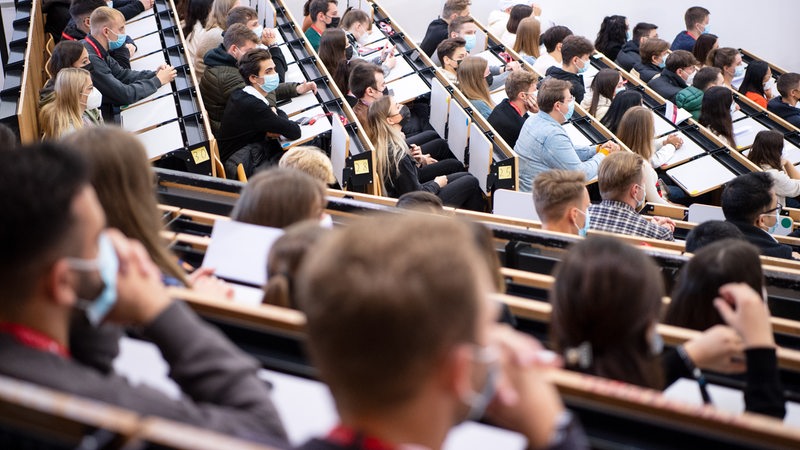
(768, 29)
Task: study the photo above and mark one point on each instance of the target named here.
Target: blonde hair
(311, 160)
(218, 16)
(471, 80)
(636, 130)
(389, 143)
(103, 17)
(65, 113)
(617, 173)
(528, 33)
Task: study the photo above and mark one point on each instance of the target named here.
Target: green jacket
(690, 99)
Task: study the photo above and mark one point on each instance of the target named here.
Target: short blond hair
(555, 190)
(617, 173)
(310, 160)
(103, 17)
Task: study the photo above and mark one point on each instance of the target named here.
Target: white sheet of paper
(162, 91)
(148, 62)
(247, 295)
(688, 150)
(480, 155)
(576, 136)
(457, 137)
(287, 54)
(146, 115)
(294, 74)
(491, 58)
(662, 125)
(161, 140)
(700, 175)
(791, 152)
(408, 88)
(699, 213)
(745, 132)
(141, 27)
(340, 143)
(737, 115)
(514, 204)
(148, 44)
(498, 96)
(440, 107)
(300, 103)
(401, 69)
(308, 132)
(238, 251)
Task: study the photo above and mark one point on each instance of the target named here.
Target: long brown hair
(332, 52)
(528, 33)
(280, 197)
(636, 130)
(715, 112)
(767, 149)
(285, 257)
(471, 80)
(604, 84)
(125, 186)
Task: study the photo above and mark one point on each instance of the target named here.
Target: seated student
(605, 85)
(268, 40)
(65, 54)
(279, 197)
(76, 104)
(786, 105)
(465, 28)
(543, 143)
(59, 260)
(358, 25)
(729, 60)
(451, 52)
(194, 22)
(284, 260)
(653, 58)
(758, 83)
(335, 52)
(629, 55)
(767, 153)
(310, 160)
(527, 43)
(440, 352)
(621, 103)
(576, 52)
(498, 18)
(437, 30)
(199, 42)
(617, 289)
(622, 180)
(249, 122)
(680, 67)
(709, 232)
(517, 14)
(562, 201)
(612, 36)
(750, 203)
(691, 98)
(420, 201)
(324, 14)
(705, 43)
(696, 19)
(78, 26)
(398, 169)
(508, 117)
(472, 73)
(715, 113)
(119, 86)
(552, 40)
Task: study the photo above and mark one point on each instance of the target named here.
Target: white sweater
(783, 185)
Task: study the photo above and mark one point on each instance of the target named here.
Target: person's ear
(60, 283)
(558, 47)
(573, 215)
(455, 372)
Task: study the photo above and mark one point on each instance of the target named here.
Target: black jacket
(118, 85)
(628, 55)
(406, 179)
(578, 89)
(668, 84)
(123, 57)
(612, 50)
(436, 33)
(763, 240)
(507, 122)
(647, 71)
(784, 111)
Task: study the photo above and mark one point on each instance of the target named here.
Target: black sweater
(406, 179)
(436, 33)
(507, 121)
(784, 111)
(578, 90)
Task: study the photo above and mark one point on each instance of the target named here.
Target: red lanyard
(64, 35)
(345, 436)
(34, 339)
(515, 108)
(96, 50)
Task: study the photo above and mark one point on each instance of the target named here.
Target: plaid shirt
(617, 217)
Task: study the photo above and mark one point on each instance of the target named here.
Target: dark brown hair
(280, 197)
(767, 149)
(285, 257)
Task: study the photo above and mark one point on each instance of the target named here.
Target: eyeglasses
(778, 208)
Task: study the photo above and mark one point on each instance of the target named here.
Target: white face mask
(94, 99)
(258, 31)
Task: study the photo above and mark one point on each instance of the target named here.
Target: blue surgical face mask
(628, 35)
(583, 231)
(113, 45)
(585, 66)
(738, 72)
(707, 29)
(640, 203)
(107, 264)
(270, 82)
(662, 63)
(774, 228)
(470, 39)
(479, 401)
(570, 111)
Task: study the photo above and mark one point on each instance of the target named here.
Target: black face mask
(334, 22)
(348, 53)
(405, 112)
(386, 91)
(489, 79)
(88, 67)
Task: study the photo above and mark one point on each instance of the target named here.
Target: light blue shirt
(543, 145)
(482, 107)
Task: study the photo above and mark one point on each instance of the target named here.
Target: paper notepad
(149, 62)
(149, 114)
(578, 139)
(161, 140)
(688, 150)
(141, 27)
(408, 88)
(700, 175)
(238, 251)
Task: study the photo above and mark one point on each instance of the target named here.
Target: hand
(786, 163)
(530, 104)
(141, 295)
(512, 66)
(390, 61)
(665, 222)
(147, 3)
(203, 281)
(427, 160)
(166, 74)
(131, 49)
(611, 146)
(751, 317)
(675, 140)
(719, 349)
(416, 153)
(441, 181)
(302, 88)
(269, 36)
(537, 9)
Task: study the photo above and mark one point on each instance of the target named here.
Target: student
(498, 18)
(653, 58)
(562, 201)
(622, 182)
(420, 201)
(629, 55)
(398, 169)
(680, 67)
(605, 86)
(65, 54)
(715, 113)
(119, 86)
(358, 25)
(310, 160)
(472, 73)
(194, 21)
(552, 39)
(697, 23)
(440, 353)
(705, 43)
(199, 42)
(437, 30)
(279, 197)
(691, 98)
(508, 117)
(576, 53)
(518, 13)
(617, 289)
(621, 103)
(612, 36)
(324, 14)
(710, 231)
(78, 26)
(767, 153)
(465, 28)
(451, 52)
(749, 202)
(284, 260)
(543, 143)
(636, 130)
(729, 60)
(59, 260)
(249, 121)
(527, 43)
(758, 83)
(75, 105)
(335, 52)
(786, 105)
